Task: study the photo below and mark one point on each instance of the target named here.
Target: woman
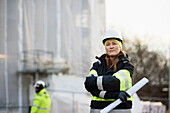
(110, 76)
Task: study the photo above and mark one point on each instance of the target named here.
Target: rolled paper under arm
(131, 91)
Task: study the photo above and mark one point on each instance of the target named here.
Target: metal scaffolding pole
(20, 48)
(6, 54)
(58, 53)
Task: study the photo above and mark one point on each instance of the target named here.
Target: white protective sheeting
(68, 94)
(70, 29)
(137, 106)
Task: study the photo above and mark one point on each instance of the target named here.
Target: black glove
(123, 96)
(90, 83)
(95, 92)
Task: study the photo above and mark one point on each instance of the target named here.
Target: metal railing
(36, 59)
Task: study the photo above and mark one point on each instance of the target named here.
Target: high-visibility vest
(41, 102)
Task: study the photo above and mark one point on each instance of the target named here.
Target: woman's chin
(111, 55)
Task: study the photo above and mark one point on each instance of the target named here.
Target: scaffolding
(41, 62)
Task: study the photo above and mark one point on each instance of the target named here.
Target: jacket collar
(42, 92)
(102, 57)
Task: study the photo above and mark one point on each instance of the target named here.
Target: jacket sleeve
(91, 80)
(35, 105)
(119, 81)
(90, 83)
(109, 95)
(108, 83)
(104, 94)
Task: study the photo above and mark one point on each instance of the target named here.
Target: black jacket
(101, 66)
(110, 83)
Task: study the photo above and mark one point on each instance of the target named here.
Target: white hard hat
(40, 84)
(112, 34)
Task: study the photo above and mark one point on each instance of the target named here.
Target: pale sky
(149, 20)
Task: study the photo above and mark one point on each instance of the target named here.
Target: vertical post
(20, 92)
(20, 40)
(37, 66)
(80, 67)
(58, 36)
(73, 111)
(33, 24)
(5, 52)
(45, 26)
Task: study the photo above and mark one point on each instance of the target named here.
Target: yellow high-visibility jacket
(41, 102)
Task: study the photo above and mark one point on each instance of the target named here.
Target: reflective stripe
(102, 94)
(125, 79)
(99, 82)
(123, 75)
(40, 107)
(93, 72)
(131, 98)
(101, 99)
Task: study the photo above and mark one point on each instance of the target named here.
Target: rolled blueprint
(131, 91)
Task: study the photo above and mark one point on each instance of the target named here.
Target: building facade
(36, 35)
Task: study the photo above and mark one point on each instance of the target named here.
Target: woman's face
(112, 48)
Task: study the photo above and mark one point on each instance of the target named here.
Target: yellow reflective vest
(41, 102)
